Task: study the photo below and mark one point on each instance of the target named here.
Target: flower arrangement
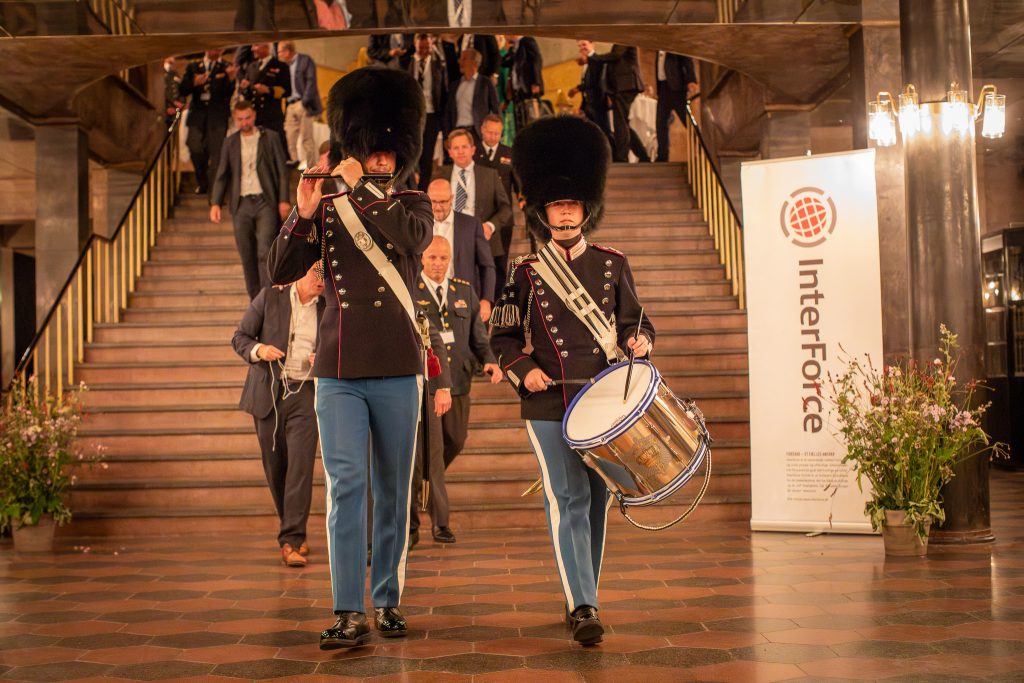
(905, 428)
(38, 452)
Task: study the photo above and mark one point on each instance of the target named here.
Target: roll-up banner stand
(810, 227)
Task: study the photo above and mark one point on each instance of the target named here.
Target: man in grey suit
(470, 98)
(478, 191)
(302, 106)
(451, 306)
(278, 336)
(471, 258)
(252, 172)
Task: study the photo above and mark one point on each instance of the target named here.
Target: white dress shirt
(489, 152)
(464, 102)
(469, 186)
(250, 183)
(661, 65)
(446, 229)
(302, 329)
(432, 286)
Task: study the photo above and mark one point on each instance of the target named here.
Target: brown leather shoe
(303, 549)
(290, 557)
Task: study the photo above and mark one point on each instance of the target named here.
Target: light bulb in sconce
(910, 115)
(881, 122)
(956, 112)
(994, 122)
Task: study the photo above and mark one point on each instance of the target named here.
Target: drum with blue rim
(647, 447)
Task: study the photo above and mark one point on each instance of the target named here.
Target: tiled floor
(710, 604)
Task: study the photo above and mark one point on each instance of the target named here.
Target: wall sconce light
(955, 114)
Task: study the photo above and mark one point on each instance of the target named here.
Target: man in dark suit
(267, 82)
(478, 191)
(254, 176)
(470, 256)
(677, 83)
(277, 337)
(302, 106)
(393, 50)
(208, 82)
(173, 99)
(526, 81)
(452, 307)
(622, 73)
(593, 89)
(471, 98)
(430, 74)
(492, 153)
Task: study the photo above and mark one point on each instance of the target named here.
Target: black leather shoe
(586, 627)
(443, 534)
(389, 621)
(351, 630)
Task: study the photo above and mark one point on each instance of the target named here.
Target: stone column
(7, 359)
(943, 231)
(62, 207)
(787, 131)
(874, 67)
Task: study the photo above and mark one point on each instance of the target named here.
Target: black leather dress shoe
(350, 630)
(443, 534)
(389, 621)
(586, 627)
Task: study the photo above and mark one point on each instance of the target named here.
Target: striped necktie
(461, 198)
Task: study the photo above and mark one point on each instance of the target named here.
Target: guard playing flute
(577, 303)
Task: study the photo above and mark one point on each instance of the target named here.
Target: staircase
(181, 458)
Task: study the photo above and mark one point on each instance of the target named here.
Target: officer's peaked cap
(376, 109)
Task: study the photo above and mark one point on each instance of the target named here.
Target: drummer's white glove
(536, 380)
(641, 347)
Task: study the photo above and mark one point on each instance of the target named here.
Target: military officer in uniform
(453, 308)
(267, 83)
(369, 360)
(562, 163)
(209, 83)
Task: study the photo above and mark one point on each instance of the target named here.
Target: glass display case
(1002, 294)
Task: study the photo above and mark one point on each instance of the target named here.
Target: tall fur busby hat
(561, 157)
(375, 109)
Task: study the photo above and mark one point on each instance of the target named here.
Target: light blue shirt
(464, 102)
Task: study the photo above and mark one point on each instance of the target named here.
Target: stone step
(235, 299)
(505, 408)
(102, 395)
(209, 285)
(195, 238)
(196, 416)
(683, 382)
(159, 352)
(166, 371)
(190, 253)
(634, 245)
(229, 270)
(224, 315)
(232, 440)
(470, 515)
(701, 320)
(607, 233)
(620, 216)
(649, 286)
(674, 258)
(138, 333)
(680, 273)
(667, 304)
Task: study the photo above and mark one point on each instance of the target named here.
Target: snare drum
(645, 449)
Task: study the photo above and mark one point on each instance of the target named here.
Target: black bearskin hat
(375, 109)
(561, 157)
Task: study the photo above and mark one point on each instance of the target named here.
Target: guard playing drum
(370, 360)
(577, 304)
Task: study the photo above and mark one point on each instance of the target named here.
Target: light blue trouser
(350, 413)
(576, 501)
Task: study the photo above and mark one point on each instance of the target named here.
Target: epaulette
(607, 249)
(506, 312)
(460, 281)
(398, 194)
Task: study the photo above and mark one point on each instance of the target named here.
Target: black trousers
(669, 101)
(625, 138)
(204, 141)
(431, 129)
(256, 224)
(288, 446)
(447, 437)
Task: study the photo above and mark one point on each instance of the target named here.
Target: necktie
(419, 71)
(490, 153)
(441, 304)
(461, 198)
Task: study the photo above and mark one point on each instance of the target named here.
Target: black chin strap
(543, 222)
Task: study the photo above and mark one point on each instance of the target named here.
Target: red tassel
(433, 365)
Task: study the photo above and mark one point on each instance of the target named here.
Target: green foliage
(37, 453)
(905, 429)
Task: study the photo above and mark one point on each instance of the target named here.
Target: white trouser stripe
(408, 492)
(604, 541)
(327, 485)
(555, 515)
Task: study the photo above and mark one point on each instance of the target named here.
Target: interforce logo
(808, 217)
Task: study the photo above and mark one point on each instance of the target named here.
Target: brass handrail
(713, 199)
(97, 289)
(725, 10)
(118, 16)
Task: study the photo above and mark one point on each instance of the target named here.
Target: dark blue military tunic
(562, 346)
(365, 331)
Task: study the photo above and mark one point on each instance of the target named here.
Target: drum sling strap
(564, 284)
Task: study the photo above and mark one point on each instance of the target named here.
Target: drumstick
(632, 356)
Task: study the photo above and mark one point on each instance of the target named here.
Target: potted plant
(905, 428)
(38, 453)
